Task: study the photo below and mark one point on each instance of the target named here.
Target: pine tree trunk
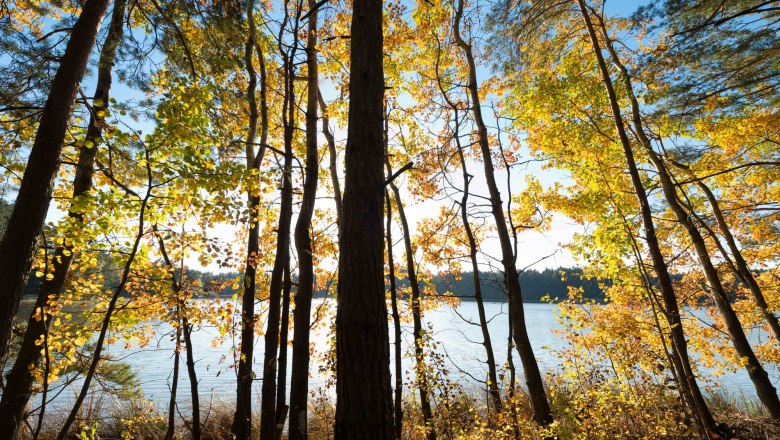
(20, 241)
(364, 407)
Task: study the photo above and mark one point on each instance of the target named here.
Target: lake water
(458, 341)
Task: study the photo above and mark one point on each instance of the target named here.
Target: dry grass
(459, 415)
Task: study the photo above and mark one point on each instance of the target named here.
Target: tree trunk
(195, 397)
(743, 270)
(332, 161)
(281, 389)
(20, 241)
(299, 379)
(495, 394)
(417, 330)
(241, 427)
(63, 434)
(510, 362)
(185, 332)
(659, 265)
(364, 407)
(169, 432)
(738, 265)
(533, 377)
(18, 390)
(268, 419)
(764, 388)
(399, 380)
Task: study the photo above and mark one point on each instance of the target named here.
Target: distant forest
(536, 285)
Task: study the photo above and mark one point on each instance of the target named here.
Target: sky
(535, 249)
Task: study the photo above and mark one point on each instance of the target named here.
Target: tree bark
(281, 381)
(533, 377)
(171, 429)
(268, 418)
(364, 407)
(241, 427)
(495, 394)
(659, 265)
(20, 241)
(18, 390)
(399, 380)
(299, 386)
(767, 393)
(417, 330)
(332, 161)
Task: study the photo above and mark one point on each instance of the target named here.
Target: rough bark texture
(659, 265)
(18, 390)
(299, 378)
(533, 377)
(20, 241)
(364, 396)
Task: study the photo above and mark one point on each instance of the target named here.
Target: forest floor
(140, 420)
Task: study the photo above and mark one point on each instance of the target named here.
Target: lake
(459, 342)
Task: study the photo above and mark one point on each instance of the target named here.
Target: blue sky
(535, 249)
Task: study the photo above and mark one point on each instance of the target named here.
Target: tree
(533, 377)
(268, 416)
(672, 311)
(20, 241)
(299, 379)
(20, 378)
(416, 298)
(242, 419)
(364, 396)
